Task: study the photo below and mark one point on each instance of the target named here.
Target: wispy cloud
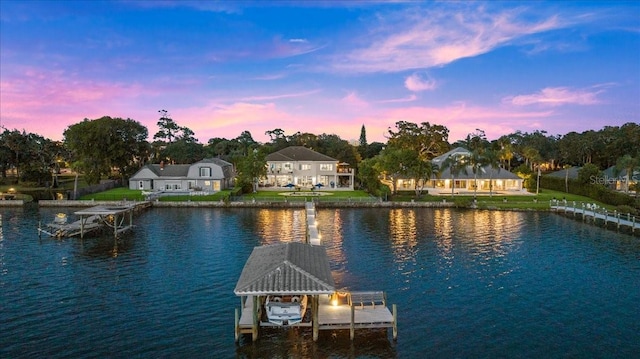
(409, 98)
(353, 100)
(557, 96)
(419, 82)
(425, 38)
(281, 96)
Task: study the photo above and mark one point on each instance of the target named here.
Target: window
(205, 172)
(305, 167)
(172, 186)
(326, 167)
(288, 167)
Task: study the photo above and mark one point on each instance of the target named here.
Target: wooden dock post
(395, 322)
(256, 323)
(237, 325)
(315, 309)
(352, 329)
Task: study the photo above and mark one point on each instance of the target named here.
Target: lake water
(466, 283)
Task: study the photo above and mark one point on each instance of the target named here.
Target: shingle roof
(297, 153)
(288, 268)
(170, 170)
(573, 173)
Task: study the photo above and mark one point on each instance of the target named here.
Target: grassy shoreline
(540, 202)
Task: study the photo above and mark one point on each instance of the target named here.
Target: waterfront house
(616, 179)
(486, 178)
(209, 175)
(298, 166)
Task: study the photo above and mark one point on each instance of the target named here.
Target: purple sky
(221, 68)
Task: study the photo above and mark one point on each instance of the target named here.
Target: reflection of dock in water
(118, 217)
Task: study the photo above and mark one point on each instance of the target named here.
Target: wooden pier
(313, 234)
(593, 213)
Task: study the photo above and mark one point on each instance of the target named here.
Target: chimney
(161, 165)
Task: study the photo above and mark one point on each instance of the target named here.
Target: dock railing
(593, 212)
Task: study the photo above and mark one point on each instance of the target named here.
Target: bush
(623, 209)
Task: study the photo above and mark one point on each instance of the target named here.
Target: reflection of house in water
(302, 167)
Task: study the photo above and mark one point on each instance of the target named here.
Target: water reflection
(278, 226)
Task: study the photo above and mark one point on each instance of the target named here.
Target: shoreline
(281, 204)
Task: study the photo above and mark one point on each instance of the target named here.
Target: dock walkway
(348, 312)
(598, 214)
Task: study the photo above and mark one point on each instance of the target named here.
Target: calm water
(467, 284)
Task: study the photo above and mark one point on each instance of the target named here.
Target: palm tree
(476, 161)
(566, 177)
(629, 164)
(491, 158)
(506, 154)
(456, 163)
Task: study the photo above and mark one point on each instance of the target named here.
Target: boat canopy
(287, 268)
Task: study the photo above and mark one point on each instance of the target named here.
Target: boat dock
(338, 311)
(118, 217)
(595, 214)
(302, 269)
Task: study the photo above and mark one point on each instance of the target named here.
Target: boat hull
(285, 310)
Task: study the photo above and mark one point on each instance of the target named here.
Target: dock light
(334, 299)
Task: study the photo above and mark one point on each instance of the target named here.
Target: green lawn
(539, 202)
(116, 194)
(332, 194)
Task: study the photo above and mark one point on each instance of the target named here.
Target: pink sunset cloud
(49, 101)
(557, 96)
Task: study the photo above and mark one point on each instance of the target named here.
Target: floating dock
(591, 212)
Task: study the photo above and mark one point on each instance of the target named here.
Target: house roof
(485, 172)
(621, 173)
(573, 173)
(456, 151)
(298, 153)
(287, 268)
(183, 170)
(169, 170)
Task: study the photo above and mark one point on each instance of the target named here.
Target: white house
(208, 175)
(486, 179)
(302, 167)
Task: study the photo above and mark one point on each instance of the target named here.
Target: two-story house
(304, 168)
(208, 175)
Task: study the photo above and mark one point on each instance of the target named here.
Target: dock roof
(287, 268)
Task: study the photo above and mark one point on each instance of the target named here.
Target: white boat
(285, 309)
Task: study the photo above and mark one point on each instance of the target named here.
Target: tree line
(117, 148)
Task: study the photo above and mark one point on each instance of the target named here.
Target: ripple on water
(467, 284)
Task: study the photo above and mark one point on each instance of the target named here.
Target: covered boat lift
(296, 268)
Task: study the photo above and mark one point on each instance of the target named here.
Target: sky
(321, 67)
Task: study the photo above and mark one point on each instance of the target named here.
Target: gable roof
(287, 268)
(298, 153)
(175, 171)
